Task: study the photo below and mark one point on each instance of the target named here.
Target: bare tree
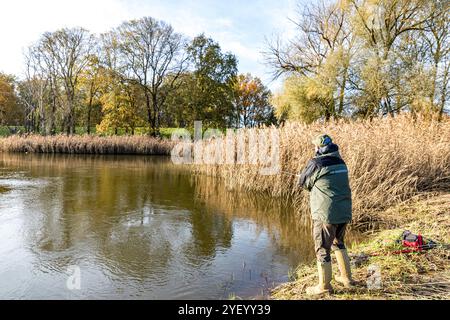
(91, 80)
(150, 51)
(33, 90)
(68, 52)
(323, 30)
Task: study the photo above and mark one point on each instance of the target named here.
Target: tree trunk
(342, 92)
(88, 124)
(443, 94)
(149, 109)
(42, 118)
(434, 79)
(63, 125)
(155, 125)
(71, 118)
(52, 116)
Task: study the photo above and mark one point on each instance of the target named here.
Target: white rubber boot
(343, 262)
(324, 285)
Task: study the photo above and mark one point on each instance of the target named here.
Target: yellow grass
(86, 145)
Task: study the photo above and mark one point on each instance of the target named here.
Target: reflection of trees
(210, 231)
(89, 203)
(291, 232)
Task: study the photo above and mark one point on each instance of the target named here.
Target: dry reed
(86, 145)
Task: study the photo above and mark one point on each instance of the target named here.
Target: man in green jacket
(326, 177)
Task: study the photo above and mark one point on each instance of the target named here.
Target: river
(137, 227)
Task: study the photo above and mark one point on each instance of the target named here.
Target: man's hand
(303, 180)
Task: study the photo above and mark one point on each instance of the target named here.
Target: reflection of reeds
(4, 189)
(390, 160)
(68, 162)
(86, 144)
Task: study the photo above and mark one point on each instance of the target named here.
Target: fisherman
(326, 177)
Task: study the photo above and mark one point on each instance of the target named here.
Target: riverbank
(86, 144)
(401, 276)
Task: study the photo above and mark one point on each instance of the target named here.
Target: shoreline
(389, 276)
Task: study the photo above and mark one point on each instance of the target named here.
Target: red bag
(412, 241)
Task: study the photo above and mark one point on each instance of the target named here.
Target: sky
(239, 26)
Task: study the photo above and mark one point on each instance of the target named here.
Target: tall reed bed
(86, 145)
(390, 160)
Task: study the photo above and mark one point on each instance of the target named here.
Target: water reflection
(138, 227)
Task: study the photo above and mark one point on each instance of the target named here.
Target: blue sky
(239, 26)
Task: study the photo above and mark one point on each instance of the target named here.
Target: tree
(252, 102)
(67, 52)
(91, 79)
(11, 112)
(33, 90)
(303, 99)
(120, 98)
(381, 25)
(323, 48)
(436, 36)
(365, 58)
(206, 91)
(149, 51)
(119, 109)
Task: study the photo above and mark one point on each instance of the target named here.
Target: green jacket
(326, 177)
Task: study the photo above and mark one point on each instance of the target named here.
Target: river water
(136, 227)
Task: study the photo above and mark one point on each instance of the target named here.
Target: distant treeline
(347, 58)
(140, 74)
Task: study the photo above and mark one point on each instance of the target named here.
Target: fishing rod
(290, 173)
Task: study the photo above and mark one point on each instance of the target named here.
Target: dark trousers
(328, 237)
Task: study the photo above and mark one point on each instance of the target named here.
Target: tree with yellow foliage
(252, 102)
(11, 112)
